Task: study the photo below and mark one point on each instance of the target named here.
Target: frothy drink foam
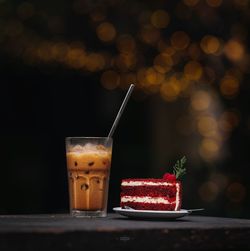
(88, 174)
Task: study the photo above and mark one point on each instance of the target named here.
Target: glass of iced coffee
(88, 164)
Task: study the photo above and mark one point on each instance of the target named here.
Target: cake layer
(160, 191)
(151, 194)
(151, 206)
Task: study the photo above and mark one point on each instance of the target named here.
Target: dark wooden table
(62, 232)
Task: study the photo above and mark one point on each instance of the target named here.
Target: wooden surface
(62, 232)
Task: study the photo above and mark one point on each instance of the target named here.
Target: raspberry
(169, 176)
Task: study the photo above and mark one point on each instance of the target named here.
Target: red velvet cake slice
(151, 194)
(154, 194)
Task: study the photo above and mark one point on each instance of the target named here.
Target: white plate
(151, 213)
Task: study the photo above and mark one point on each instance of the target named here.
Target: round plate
(151, 213)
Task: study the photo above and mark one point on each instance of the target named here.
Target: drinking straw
(119, 114)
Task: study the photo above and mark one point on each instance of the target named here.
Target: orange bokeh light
(106, 32)
(229, 86)
(163, 63)
(193, 70)
(210, 44)
(160, 19)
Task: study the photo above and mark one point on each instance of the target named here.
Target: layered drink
(88, 164)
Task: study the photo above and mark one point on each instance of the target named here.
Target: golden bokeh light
(106, 32)
(214, 3)
(191, 3)
(75, 57)
(209, 149)
(59, 51)
(153, 77)
(160, 19)
(95, 62)
(125, 61)
(229, 86)
(126, 43)
(165, 48)
(170, 89)
(210, 44)
(163, 63)
(193, 70)
(209, 191)
(149, 34)
(110, 79)
(234, 50)
(236, 192)
(149, 79)
(200, 100)
(180, 40)
(207, 126)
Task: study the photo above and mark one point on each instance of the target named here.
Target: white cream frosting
(147, 183)
(177, 196)
(146, 199)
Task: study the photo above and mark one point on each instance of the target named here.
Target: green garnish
(179, 169)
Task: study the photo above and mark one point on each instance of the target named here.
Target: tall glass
(88, 164)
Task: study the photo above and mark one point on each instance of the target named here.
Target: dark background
(47, 96)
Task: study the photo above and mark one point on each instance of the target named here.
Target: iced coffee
(88, 164)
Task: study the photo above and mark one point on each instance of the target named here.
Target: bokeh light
(106, 32)
(150, 34)
(234, 50)
(200, 100)
(209, 149)
(126, 43)
(229, 86)
(210, 44)
(160, 19)
(170, 89)
(193, 70)
(207, 126)
(95, 62)
(163, 63)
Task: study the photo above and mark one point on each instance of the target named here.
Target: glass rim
(67, 138)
